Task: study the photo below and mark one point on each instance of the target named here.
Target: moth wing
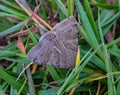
(43, 50)
(70, 58)
(71, 44)
(67, 29)
(67, 33)
(62, 59)
(40, 53)
(33, 52)
(54, 58)
(62, 52)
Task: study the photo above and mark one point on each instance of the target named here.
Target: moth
(59, 47)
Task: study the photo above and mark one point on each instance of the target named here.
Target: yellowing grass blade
(78, 56)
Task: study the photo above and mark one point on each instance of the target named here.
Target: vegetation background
(23, 22)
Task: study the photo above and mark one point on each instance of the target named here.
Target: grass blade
(91, 19)
(70, 7)
(12, 29)
(12, 81)
(62, 7)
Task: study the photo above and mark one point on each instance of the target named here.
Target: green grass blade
(12, 81)
(115, 51)
(12, 29)
(119, 4)
(118, 88)
(112, 19)
(109, 76)
(105, 15)
(70, 8)
(11, 4)
(53, 73)
(22, 87)
(95, 60)
(62, 7)
(107, 62)
(44, 13)
(92, 40)
(21, 61)
(91, 19)
(86, 23)
(47, 92)
(8, 53)
(32, 36)
(12, 11)
(106, 6)
(108, 18)
(113, 43)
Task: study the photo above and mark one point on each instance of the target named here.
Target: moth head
(50, 36)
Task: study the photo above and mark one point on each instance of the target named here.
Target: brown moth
(59, 47)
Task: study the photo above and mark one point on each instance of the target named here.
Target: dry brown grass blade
(27, 9)
(20, 45)
(98, 90)
(23, 32)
